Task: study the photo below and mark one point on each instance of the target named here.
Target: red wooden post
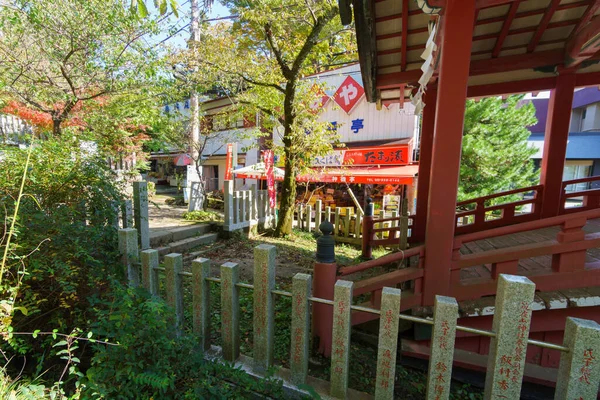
(555, 143)
(445, 167)
(425, 152)
(571, 232)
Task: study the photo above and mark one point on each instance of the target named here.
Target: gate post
(367, 231)
(325, 275)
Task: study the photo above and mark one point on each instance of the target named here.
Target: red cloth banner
(269, 169)
(229, 162)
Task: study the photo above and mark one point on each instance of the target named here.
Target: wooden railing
(347, 221)
(478, 214)
(568, 252)
(508, 347)
(247, 208)
(589, 198)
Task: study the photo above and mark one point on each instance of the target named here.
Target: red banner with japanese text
(270, 172)
(229, 162)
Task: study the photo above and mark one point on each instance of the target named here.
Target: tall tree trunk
(56, 126)
(288, 198)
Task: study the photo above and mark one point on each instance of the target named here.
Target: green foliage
(65, 246)
(150, 362)
(202, 216)
(495, 153)
(261, 58)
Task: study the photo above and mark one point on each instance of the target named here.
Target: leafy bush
(65, 247)
(151, 188)
(150, 362)
(203, 216)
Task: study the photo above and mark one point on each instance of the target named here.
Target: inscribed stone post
(149, 272)
(201, 301)
(512, 317)
(128, 247)
(309, 218)
(127, 216)
(230, 311)
(140, 207)
(579, 369)
(445, 314)
(342, 300)
(264, 283)
(318, 214)
(301, 291)
(173, 284)
(228, 198)
(388, 343)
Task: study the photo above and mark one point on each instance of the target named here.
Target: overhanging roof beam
(505, 28)
(586, 17)
(404, 34)
(543, 25)
(583, 45)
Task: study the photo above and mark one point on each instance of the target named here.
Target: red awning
(399, 175)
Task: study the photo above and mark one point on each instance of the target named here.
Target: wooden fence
(387, 229)
(578, 374)
(247, 208)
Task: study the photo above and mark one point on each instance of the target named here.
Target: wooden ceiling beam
(532, 13)
(541, 28)
(404, 38)
(583, 45)
(505, 28)
(481, 67)
(586, 17)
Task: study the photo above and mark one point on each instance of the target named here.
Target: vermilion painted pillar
(555, 143)
(457, 34)
(426, 147)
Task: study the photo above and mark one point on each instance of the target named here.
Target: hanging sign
(383, 155)
(229, 162)
(348, 94)
(269, 169)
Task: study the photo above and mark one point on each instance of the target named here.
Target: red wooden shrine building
(439, 53)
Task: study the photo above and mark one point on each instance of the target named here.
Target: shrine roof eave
(518, 45)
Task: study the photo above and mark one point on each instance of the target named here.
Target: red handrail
(501, 194)
(381, 261)
(526, 226)
(581, 180)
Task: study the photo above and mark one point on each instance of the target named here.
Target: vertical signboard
(229, 162)
(270, 172)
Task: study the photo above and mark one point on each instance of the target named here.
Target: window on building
(577, 170)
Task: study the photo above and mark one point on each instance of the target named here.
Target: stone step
(189, 257)
(185, 245)
(166, 236)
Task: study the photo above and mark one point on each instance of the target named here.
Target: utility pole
(195, 184)
(195, 109)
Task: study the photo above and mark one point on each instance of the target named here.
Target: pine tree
(495, 154)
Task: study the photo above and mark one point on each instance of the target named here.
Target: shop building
(165, 168)
(583, 147)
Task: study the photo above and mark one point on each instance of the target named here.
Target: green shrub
(203, 216)
(150, 362)
(65, 247)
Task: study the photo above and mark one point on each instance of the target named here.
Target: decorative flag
(229, 162)
(348, 94)
(269, 170)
